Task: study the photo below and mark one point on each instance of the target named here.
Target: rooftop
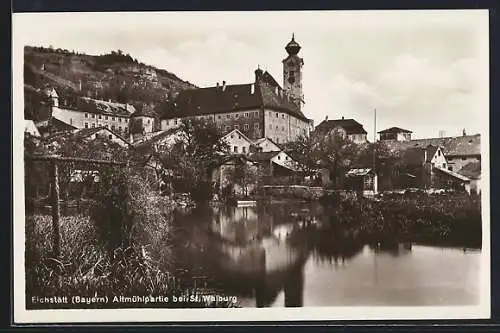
(351, 126)
(467, 145)
(395, 130)
(265, 92)
(471, 170)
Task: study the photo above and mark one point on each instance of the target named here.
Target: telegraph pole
(375, 179)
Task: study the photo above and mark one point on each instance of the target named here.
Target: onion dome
(292, 47)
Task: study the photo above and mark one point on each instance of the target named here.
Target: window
(86, 115)
(256, 125)
(246, 114)
(444, 165)
(235, 149)
(93, 115)
(232, 136)
(106, 117)
(113, 118)
(283, 116)
(149, 121)
(93, 125)
(277, 115)
(175, 121)
(244, 149)
(110, 137)
(119, 119)
(236, 115)
(228, 116)
(439, 152)
(246, 126)
(86, 125)
(100, 117)
(219, 117)
(112, 127)
(279, 157)
(119, 129)
(227, 128)
(236, 126)
(277, 127)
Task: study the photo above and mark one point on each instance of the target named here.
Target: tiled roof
(144, 110)
(471, 170)
(221, 99)
(238, 132)
(431, 150)
(90, 105)
(466, 145)
(395, 130)
(351, 126)
(414, 156)
(78, 134)
(263, 156)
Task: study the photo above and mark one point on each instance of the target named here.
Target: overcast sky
(423, 71)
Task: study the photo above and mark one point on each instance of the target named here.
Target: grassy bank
(121, 249)
(441, 219)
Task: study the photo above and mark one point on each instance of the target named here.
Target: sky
(426, 71)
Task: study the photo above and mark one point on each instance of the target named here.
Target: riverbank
(446, 219)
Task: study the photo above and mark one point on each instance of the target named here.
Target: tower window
(256, 125)
(246, 126)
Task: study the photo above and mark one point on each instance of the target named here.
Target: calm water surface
(280, 255)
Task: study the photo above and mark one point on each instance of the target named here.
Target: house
(395, 133)
(347, 128)
(258, 110)
(472, 171)
(275, 163)
(53, 125)
(142, 121)
(418, 165)
(459, 150)
(30, 127)
(85, 135)
(85, 112)
(238, 142)
(265, 145)
(362, 180)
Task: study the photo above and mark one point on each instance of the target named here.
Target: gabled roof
(395, 130)
(260, 141)
(453, 174)
(79, 134)
(264, 93)
(156, 137)
(467, 145)
(90, 105)
(237, 132)
(144, 111)
(471, 170)
(351, 126)
(431, 151)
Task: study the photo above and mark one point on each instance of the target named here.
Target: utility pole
(375, 179)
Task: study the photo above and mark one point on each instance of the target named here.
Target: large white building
(260, 109)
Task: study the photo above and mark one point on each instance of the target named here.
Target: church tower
(292, 72)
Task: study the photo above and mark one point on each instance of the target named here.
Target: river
(279, 255)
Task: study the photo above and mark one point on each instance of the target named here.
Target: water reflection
(293, 255)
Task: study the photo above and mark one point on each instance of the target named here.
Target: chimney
(342, 117)
(217, 85)
(80, 85)
(223, 85)
(326, 118)
(463, 132)
(252, 88)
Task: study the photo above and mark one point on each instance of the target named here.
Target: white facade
(266, 145)
(284, 160)
(282, 127)
(238, 143)
(439, 160)
(29, 127)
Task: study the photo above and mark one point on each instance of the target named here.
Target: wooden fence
(54, 162)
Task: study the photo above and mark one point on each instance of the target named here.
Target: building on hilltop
(85, 112)
(260, 109)
(395, 133)
(347, 128)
